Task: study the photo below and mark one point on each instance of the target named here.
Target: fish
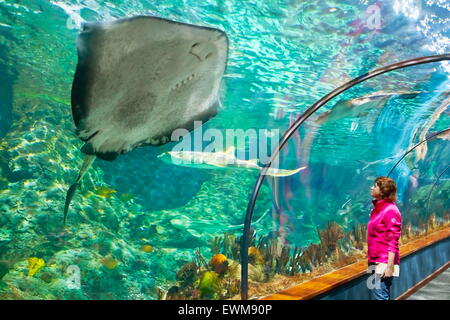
(384, 161)
(361, 106)
(219, 160)
(444, 135)
(109, 262)
(422, 150)
(104, 192)
(138, 80)
(147, 248)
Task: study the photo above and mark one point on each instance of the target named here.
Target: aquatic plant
(255, 256)
(268, 257)
(39, 152)
(209, 285)
(200, 259)
(4, 268)
(229, 244)
(330, 236)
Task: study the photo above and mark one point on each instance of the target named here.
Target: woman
(383, 234)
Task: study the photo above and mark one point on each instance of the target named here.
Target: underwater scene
(99, 201)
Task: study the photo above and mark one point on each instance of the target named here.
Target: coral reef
(126, 252)
(121, 250)
(273, 266)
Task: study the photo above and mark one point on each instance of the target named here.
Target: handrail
(291, 130)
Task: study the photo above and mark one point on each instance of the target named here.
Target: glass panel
(141, 227)
(323, 211)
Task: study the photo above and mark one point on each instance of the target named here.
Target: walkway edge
(422, 283)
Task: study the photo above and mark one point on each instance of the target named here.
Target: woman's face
(375, 192)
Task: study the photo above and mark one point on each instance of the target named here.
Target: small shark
(361, 106)
(219, 160)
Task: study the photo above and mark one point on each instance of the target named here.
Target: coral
(256, 273)
(229, 244)
(39, 160)
(188, 274)
(219, 263)
(254, 256)
(217, 259)
(330, 236)
(34, 265)
(209, 285)
(200, 259)
(173, 293)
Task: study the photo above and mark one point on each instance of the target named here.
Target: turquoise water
(283, 56)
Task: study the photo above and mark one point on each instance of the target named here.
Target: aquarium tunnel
(303, 105)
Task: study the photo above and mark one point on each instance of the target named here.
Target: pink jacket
(383, 231)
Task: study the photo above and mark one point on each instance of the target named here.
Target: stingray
(138, 79)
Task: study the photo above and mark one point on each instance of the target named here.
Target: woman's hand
(390, 266)
(388, 272)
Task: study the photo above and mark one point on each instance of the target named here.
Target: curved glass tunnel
(142, 228)
(319, 216)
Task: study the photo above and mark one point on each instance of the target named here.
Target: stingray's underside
(139, 79)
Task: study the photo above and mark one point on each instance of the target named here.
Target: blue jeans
(383, 292)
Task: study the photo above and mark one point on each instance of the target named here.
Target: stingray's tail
(73, 188)
(282, 173)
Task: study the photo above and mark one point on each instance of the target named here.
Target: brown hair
(387, 187)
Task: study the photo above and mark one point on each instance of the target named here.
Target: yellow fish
(104, 192)
(147, 248)
(34, 265)
(109, 262)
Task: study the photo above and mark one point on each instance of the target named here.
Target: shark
(361, 106)
(138, 80)
(220, 160)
